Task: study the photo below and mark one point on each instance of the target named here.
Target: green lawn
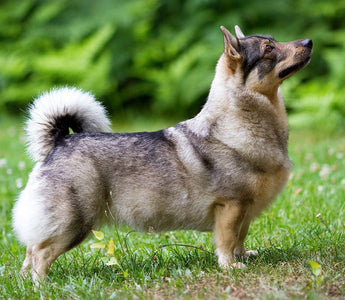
(306, 223)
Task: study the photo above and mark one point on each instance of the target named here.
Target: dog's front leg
(240, 249)
(229, 217)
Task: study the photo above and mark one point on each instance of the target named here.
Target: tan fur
(230, 230)
(40, 257)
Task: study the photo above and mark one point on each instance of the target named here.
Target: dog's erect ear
(232, 46)
(239, 32)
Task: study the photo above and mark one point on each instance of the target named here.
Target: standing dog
(216, 171)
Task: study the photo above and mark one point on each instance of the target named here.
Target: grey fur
(225, 165)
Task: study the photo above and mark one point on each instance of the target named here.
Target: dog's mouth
(294, 68)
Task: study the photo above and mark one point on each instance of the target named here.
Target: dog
(216, 171)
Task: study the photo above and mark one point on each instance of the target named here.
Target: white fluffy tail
(54, 113)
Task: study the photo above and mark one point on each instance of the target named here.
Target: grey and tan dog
(216, 171)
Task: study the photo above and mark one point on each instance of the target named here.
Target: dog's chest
(265, 187)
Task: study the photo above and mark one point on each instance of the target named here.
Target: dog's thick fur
(216, 171)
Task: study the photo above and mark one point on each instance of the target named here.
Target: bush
(159, 56)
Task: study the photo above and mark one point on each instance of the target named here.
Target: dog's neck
(228, 94)
(236, 115)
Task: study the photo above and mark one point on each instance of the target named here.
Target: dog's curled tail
(53, 114)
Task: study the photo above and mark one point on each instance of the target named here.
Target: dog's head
(260, 63)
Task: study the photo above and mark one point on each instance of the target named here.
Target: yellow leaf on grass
(112, 261)
(111, 247)
(100, 245)
(315, 267)
(98, 234)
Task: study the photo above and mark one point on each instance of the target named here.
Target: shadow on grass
(276, 255)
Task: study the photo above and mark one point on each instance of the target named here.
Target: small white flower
(325, 171)
(9, 171)
(343, 182)
(21, 165)
(340, 155)
(19, 183)
(314, 167)
(3, 162)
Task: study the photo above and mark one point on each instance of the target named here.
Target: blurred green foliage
(159, 56)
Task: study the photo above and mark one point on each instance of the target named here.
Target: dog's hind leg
(43, 255)
(27, 262)
(229, 217)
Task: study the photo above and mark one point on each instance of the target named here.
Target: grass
(305, 223)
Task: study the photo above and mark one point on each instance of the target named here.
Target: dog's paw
(242, 252)
(238, 265)
(251, 253)
(224, 259)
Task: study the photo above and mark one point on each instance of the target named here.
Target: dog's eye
(269, 49)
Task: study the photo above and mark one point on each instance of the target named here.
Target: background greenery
(158, 57)
(149, 58)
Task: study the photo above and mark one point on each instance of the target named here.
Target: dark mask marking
(293, 68)
(254, 57)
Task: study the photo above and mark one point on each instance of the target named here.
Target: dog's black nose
(307, 43)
